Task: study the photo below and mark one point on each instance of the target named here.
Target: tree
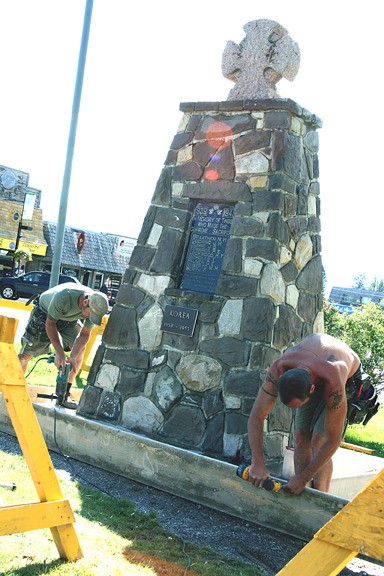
(360, 282)
(22, 253)
(363, 331)
(20, 257)
(323, 279)
(377, 285)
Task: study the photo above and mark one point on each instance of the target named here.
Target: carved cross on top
(266, 55)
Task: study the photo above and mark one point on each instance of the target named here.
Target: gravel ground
(196, 524)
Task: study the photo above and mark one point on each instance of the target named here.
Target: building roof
(104, 252)
(354, 295)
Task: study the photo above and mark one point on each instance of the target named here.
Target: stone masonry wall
(261, 157)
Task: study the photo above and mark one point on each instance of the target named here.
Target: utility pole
(60, 228)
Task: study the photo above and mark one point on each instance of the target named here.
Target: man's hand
(55, 338)
(74, 363)
(296, 485)
(60, 360)
(78, 349)
(257, 474)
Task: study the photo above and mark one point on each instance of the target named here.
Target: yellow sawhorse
(52, 511)
(357, 529)
(95, 332)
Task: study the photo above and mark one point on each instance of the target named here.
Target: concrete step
(352, 470)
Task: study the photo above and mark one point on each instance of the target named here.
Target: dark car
(26, 285)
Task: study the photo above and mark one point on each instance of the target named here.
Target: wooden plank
(16, 305)
(52, 511)
(8, 328)
(357, 448)
(318, 559)
(11, 373)
(67, 542)
(96, 331)
(34, 516)
(360, 526)
(32, 442)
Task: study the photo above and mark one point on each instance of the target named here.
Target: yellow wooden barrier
(52, 511)
(357, 529)
(96, 331)
(16, 305)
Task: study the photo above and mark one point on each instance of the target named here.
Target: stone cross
(266, 55)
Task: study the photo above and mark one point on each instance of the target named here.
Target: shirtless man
(311, 378)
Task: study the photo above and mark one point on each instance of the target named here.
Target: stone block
(184, 427)
(242, 382)
(109, 407)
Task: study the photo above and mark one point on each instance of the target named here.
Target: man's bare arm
(335, 415)
(262, 406)
(55, 339)
(78, 348)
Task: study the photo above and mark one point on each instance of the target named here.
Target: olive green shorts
(311, 416)
(35, 340)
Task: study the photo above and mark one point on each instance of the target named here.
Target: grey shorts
(311, 416)
(35, 340)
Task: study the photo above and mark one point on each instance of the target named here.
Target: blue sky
(143, 62)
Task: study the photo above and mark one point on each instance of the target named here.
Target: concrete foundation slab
(189, 475)
(352, 471)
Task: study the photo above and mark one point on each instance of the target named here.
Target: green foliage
(377, 285)
(323, 279)
(359, 281)
(363, 331)
(22, 253)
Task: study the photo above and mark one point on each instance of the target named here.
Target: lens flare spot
(219, 134)
(215, 158)
(211, 175)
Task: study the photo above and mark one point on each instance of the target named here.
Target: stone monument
(227, 271)
(266, 55)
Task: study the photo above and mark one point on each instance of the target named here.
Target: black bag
(362, 400)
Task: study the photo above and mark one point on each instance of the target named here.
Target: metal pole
(60, 228)
(16, 246)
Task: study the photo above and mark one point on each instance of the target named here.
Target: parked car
(26, 285)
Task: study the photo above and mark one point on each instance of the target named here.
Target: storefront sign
(80, 242)
(124, 247)
(33, 247)
(7, 244)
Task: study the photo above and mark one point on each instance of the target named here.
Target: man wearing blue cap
(63, 318)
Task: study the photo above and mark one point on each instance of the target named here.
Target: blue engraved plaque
(210, 230)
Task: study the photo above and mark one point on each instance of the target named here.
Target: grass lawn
(116, 539)
(370, 436)
(40, 372)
